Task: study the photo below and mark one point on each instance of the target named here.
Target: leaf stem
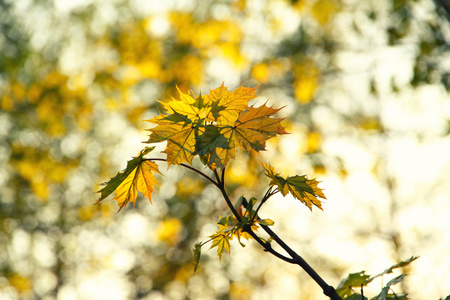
(266, 197)
(190, 168)
(296, 259)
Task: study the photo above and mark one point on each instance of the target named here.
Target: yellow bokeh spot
(85, 213)
(240, 173)
(20, 283)
(40, 188)
(131, 75)
(260, 72)
(299, 5)
(18, 91)
(371, 124)
(189, 187)
(34, 93)
(54, 79)
(324, 10)
(232, 51)
(314, 142)
(306, 81)
(6, 103)
(319, 169)
(240, 291)
(304, 89)
(169, 231)
(149, 69)
(184, 274)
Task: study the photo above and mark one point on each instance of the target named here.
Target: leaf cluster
(212, 127)
(358, 280)
(230, 227)
(302, 188)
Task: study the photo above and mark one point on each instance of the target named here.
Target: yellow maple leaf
(226, 105)
(213, 125)
(138, 176)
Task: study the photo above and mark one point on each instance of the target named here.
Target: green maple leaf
(302, 188)
(344, 288)
(197, 253)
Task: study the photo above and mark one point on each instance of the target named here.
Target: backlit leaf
(344, 288)
(389, 270)
(214, 148)
(383, 295)
(180, 137)
(197, 253)
(137, 176)
(221, 240)
(193, 108)
(302, 188)
(226, 106)
(212, 126)
(254, 127)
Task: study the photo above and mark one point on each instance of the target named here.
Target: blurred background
(365, 85)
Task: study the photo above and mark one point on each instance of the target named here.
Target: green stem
(266, 197)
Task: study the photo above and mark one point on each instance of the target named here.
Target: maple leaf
(214, 148)
(137, 176)
(226, 106)
(197, 253)
(221, 240)
(179, 128)
(212, 126)
(194, 109)
(254, 127)
(179, 132)
(302, 188)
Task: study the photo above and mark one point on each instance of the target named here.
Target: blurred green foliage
(76, 79)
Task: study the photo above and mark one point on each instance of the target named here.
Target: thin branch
(297, 259)
(269, 193)
(221, 186)
(190, 168)
(267, 247)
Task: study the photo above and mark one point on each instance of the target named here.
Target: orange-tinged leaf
(254, 127)
(302, 188)
(138, 176)
(212, 126)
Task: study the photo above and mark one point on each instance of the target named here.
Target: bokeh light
(365, 85)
